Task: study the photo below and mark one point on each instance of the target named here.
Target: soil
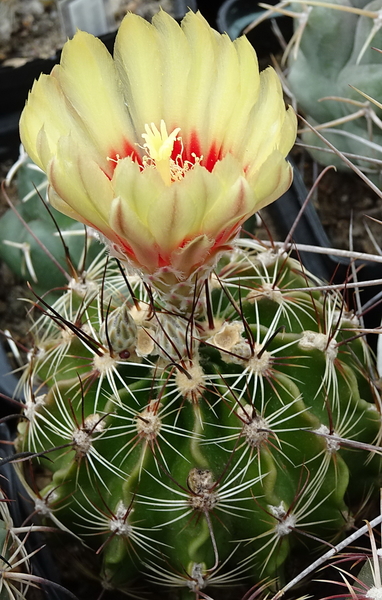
(33, 28)
(347, 206)
(338, 193)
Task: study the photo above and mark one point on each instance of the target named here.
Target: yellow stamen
(159, 145)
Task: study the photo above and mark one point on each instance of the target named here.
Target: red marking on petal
(130, 150)
(163, 261)
(193, 148)
(227, 235)
(212, 157)
(177, 150)
(127, 249)
(126, 149)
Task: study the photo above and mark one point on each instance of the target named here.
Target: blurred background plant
(35, 233)
(331, 56)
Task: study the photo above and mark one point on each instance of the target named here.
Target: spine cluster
(196, 449)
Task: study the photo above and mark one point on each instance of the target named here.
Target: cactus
(24, 560)
(198, 448)
(24, 242)
(15, 576)
(207, 406)
(368, 581)
(335, 54)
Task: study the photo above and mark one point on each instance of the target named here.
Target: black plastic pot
(234, 16)
(8, 383)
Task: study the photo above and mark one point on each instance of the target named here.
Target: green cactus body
(196, 449)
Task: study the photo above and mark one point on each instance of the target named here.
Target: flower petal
(192, 255)
(266, 120)
(287, 135)
(176, 62)
(80, 183)
(138, 60)
(272, 179)
(246, 94)
(88, 78)
(203, 44)
(46, 111)
(139, 190)
(134, 237)
(64, 207)
(232, 201)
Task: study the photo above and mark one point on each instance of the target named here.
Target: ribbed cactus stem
(198, 448)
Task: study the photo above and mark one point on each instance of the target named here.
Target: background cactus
(333, 51)
(196, 449)
(15, 579)
(24, 248)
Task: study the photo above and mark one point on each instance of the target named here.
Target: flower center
(159, 146)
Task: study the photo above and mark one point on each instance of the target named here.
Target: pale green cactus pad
(334, 58)
(195, 450)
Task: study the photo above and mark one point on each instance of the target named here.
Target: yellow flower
(166, 149)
